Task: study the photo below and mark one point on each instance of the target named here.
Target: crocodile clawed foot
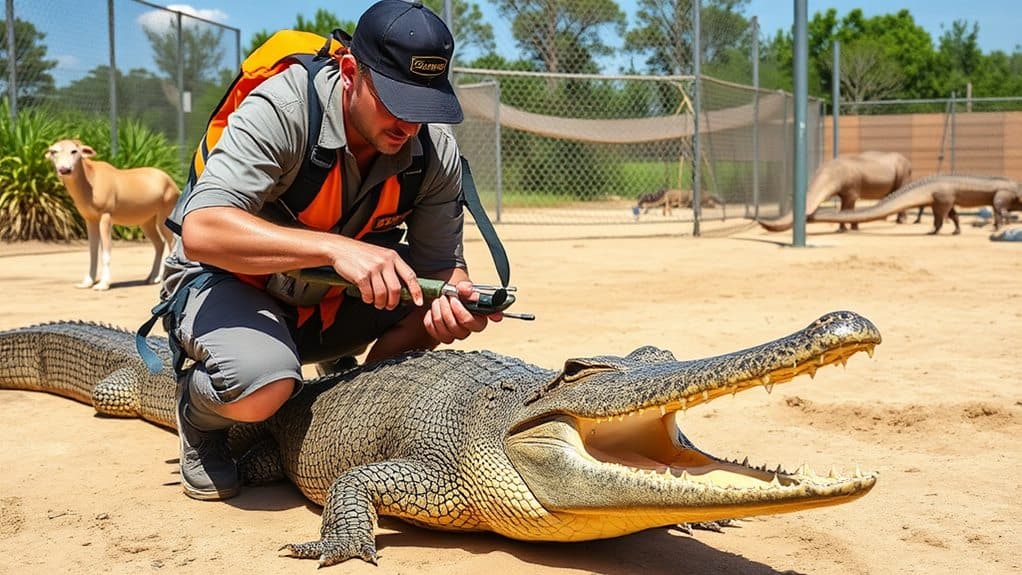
(715, 526)
(331, 552)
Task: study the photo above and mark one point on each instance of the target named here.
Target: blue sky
(1000, 27)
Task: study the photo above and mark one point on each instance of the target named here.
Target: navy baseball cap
(408, 50)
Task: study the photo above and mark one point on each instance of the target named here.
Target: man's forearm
(235, 240)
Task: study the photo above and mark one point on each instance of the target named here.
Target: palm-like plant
(33, 202)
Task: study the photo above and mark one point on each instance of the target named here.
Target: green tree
(32, 69)
(201, 53)
(866, 73)
(959, 60)
(900, 41)
(563, 35)
(471, 32)
(323, 23)
(139, 95)
(664, 33)
(999, 74)
(894, 42)
(201, 56)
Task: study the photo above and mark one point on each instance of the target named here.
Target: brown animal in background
(941, 193)
(868, 176)
(105, 195)
(674, 198)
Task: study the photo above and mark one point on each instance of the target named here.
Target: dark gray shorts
(244, 338)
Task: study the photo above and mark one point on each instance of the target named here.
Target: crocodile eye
(575, 369)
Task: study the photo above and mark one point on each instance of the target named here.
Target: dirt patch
(936, 410)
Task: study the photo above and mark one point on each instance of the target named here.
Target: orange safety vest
(316, 196)
(324, 213)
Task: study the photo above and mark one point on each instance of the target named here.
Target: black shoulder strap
(411, 178)
(411, 182)
(470, 198)
(318, 161)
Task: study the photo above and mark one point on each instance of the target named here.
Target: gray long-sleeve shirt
(261, 150)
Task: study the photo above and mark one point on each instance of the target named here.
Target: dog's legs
(149, 228)
(92, 229)
(106, 229)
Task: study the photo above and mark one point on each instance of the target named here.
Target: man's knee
(245, 398)
(261, 403)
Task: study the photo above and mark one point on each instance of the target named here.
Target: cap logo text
(428, 65)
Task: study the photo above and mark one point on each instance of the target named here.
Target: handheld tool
(492, 299)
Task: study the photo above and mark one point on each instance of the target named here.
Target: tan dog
(105, 195)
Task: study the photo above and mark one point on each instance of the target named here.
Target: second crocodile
(941, 193)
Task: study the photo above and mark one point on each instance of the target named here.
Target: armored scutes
(941, 193)
(477, 441)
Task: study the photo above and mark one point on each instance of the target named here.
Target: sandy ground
(937, 411)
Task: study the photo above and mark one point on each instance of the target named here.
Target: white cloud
(67, 61)
(160, 21)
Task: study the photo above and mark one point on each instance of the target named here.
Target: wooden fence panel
(979, 143)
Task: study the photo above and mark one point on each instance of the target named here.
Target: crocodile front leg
(352, 505)
(116, 395)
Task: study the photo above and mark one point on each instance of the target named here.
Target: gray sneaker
(208, 472)
(343, 363)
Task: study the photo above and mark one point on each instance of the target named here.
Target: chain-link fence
(590, 146)
(573, 147)
(118, 59)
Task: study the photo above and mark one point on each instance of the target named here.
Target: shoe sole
(214, 495)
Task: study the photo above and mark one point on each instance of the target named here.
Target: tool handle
(490, 300)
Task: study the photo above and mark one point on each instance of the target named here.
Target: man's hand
(378, 272)
(448, 320)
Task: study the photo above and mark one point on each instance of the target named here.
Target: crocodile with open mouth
(478, 441)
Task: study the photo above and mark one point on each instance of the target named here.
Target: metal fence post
(499, 166)
(755, 119)
(448, 18)
(835, 99)
(954, 104)
(801, 105)
(180, 91)
(698, 108)
(111, 43)
(12, 71)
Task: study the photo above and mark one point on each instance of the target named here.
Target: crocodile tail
(890, 205)
(780, 224)
(79, 360)
(27, 361)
